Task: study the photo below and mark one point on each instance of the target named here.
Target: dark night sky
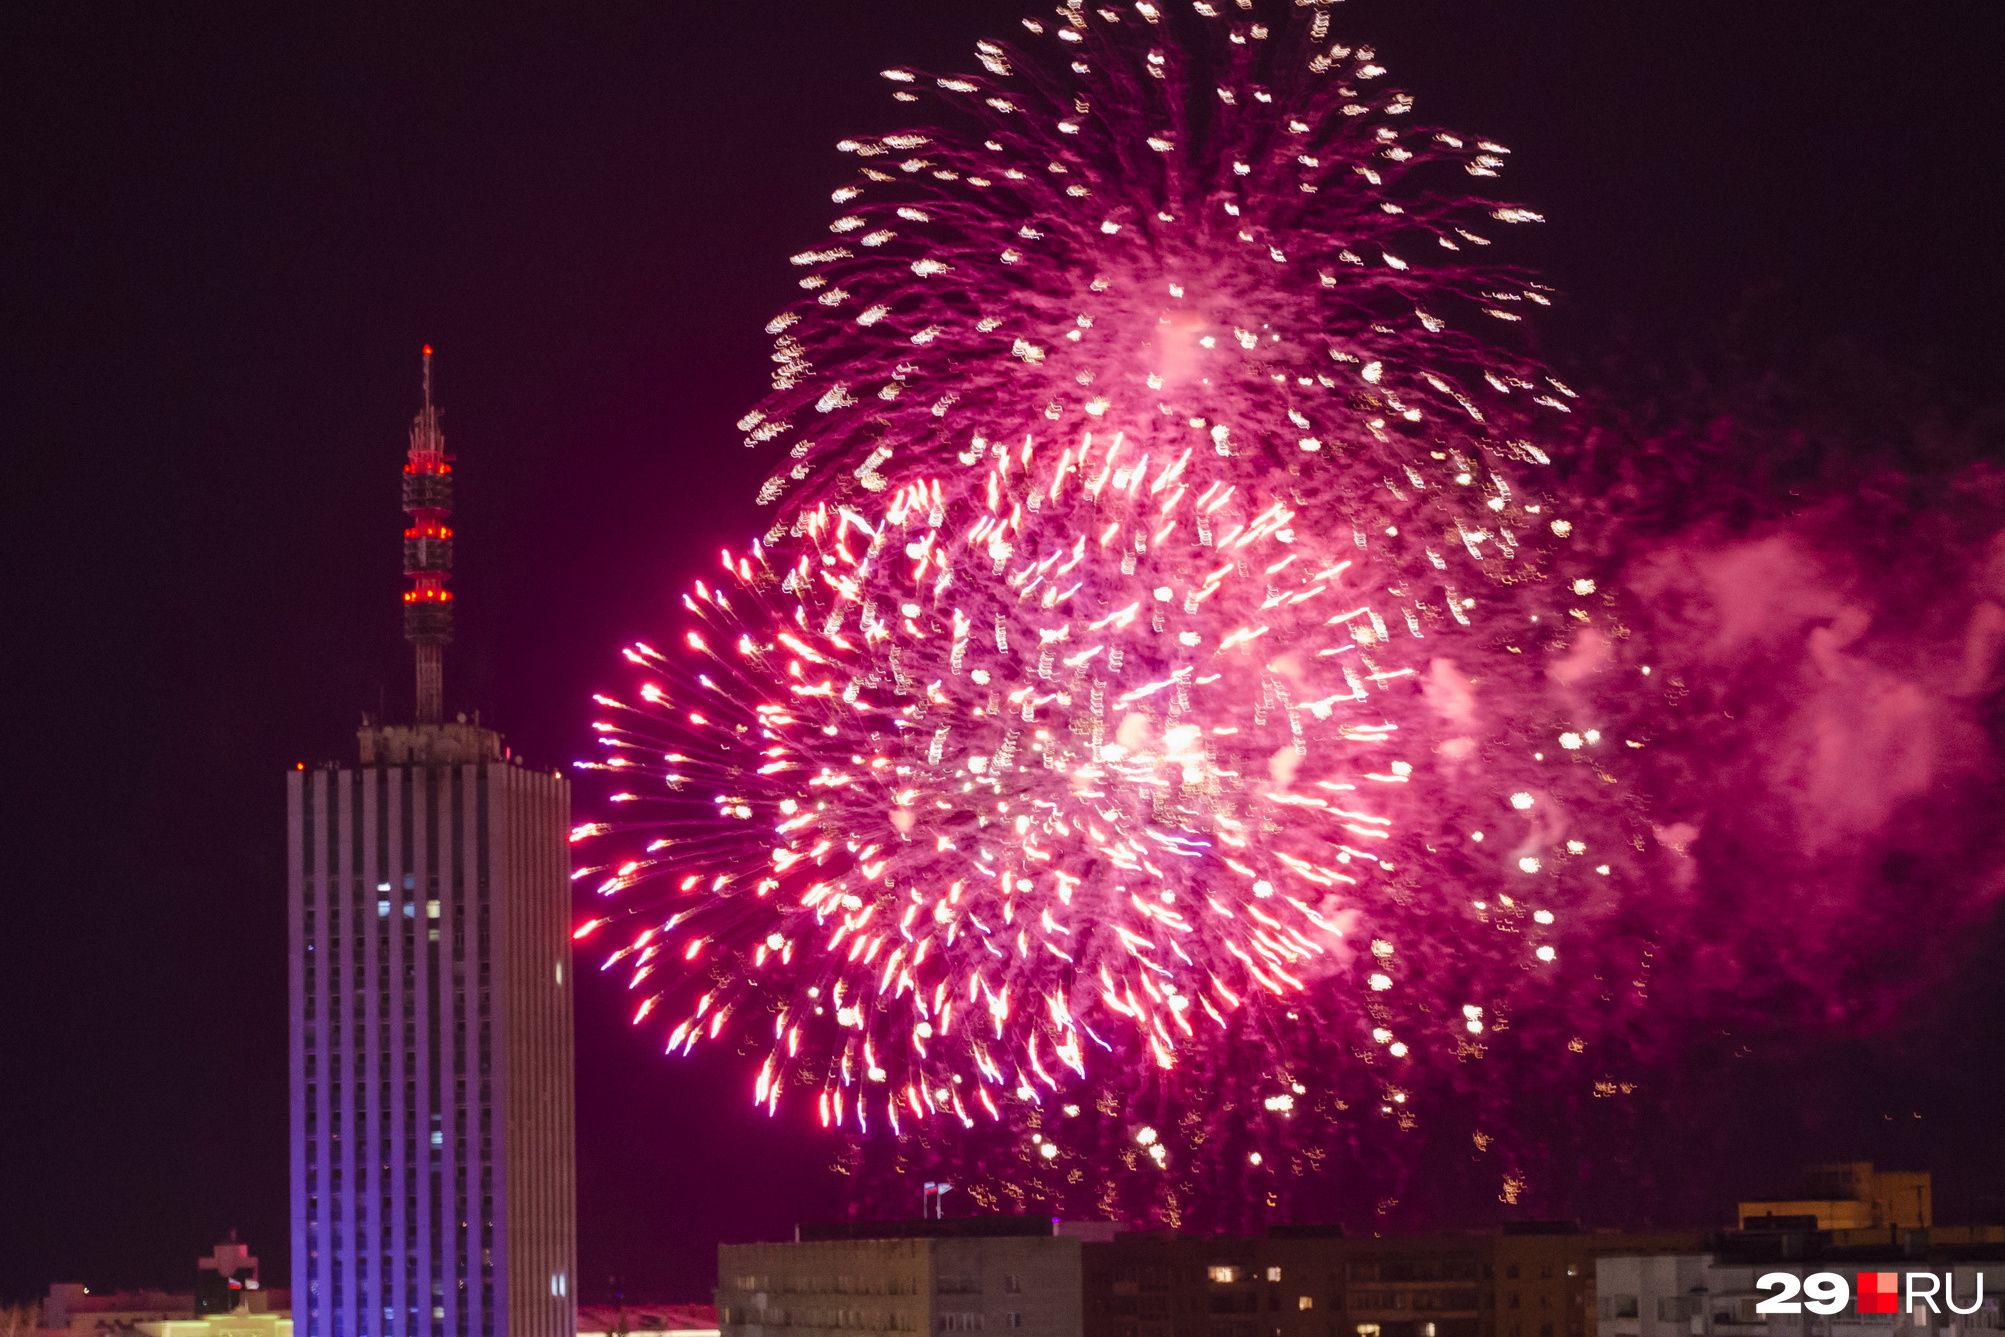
(230, 227)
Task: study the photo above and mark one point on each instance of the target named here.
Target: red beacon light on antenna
(428, 549)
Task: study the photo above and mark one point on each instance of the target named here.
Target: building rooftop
(1868, 1245)
(649, 1320)
(952, 1227)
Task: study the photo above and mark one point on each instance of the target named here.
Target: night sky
(230, 228)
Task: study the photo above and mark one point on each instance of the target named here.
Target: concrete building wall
(1635, 1296)
(1462, 1285)
(538, 1154)
(825, 1288)
(1167, 1285)
(1027, 1286)
(1019, 1286)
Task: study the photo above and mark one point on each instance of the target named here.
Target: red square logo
(1879, 1292)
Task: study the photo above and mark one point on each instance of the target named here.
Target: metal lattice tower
(428, 550)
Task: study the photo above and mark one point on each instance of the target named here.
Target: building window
(1222, 1274)
(1013, 1284)
(1368, 1330)
(1511, 1302)
(1273, 1274)
(1012, 1320)
(1305, 1302)
(960, 1323)
(1511, 1272)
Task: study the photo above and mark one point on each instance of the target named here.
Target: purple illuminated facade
(433, 1183)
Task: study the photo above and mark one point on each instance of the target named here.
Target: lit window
(1367, 1330)
(1222, 1273)
(1273, 1274)
(1305, 1302)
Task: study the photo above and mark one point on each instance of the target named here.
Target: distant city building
(219, 1325)
(962, 1275)
(1530, 1280)
(647, 1320)
(1851, 1196)
(1712, 1293)
(226, 1286)
(73, 1308)
(225, 1278)
(433, 1182)
(1534, 1279)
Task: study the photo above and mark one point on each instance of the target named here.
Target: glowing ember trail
(1142, 712)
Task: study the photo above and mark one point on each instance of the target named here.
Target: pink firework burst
(1139, 730)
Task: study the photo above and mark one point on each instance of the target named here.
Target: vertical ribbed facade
(433, 1182)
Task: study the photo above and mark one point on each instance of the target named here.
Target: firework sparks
(1145, 681)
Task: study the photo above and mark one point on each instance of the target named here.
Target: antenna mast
(428, 551)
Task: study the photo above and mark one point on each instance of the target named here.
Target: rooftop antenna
(428, 550)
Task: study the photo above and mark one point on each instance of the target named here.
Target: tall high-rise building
(433, 1181)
